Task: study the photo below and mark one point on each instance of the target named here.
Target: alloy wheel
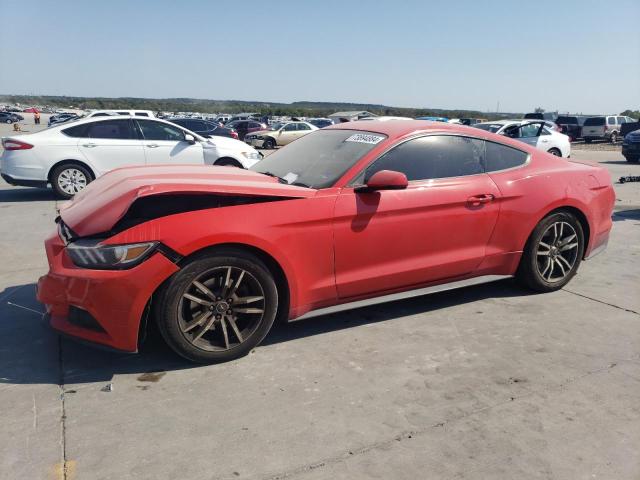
(71, 181)
(557, 252)
(221, 308)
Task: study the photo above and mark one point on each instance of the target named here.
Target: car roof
(399, 128)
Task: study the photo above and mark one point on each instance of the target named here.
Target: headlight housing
(251, 155)
(91, 254)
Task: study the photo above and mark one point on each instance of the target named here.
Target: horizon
(344, 54)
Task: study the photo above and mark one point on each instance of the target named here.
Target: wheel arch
(229, 159)
(580, 216)
(282, 282)
(70, 161)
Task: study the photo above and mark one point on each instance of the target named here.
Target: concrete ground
(485, 382)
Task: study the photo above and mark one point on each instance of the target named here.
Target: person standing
(36, 117)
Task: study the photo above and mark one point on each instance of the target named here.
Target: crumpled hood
(102, 203)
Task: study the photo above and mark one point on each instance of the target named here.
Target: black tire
(214, 345)
(228, 162)
(83, 178)
(269, 144)
(588, 140)
(632, 159)
(8, 121)
(555, 152)
(532, 262)
(614, 137)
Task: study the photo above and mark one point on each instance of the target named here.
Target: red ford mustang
(214, 255)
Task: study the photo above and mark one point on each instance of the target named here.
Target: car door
(287, 134)
(437, 228)
(165, 143)
(109, 144)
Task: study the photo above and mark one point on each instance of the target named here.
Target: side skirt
(403, 295)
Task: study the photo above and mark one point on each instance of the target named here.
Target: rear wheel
(218, 307)
(613, 138)
(552, 254)
(8, 120)
(70, 178)
(555, 151)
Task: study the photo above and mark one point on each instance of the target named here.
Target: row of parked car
(590, 128)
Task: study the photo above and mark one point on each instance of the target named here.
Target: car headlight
(251, 155)
(91, 254)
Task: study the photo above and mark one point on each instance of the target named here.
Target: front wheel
(8, 121)
(269, 144)
(552, 254)
(69, 179)
(217, 307)
(555, 152)
(632, 159)
(228, 162)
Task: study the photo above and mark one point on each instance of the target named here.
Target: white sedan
(536, 133)
(71, 155)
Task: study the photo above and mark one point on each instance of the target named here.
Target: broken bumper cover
(99, 306)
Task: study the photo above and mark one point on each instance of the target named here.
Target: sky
(577, 56)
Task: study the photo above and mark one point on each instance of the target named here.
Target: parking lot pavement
(484, 382)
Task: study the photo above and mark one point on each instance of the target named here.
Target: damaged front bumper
(99, 306)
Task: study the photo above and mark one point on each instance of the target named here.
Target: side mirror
(189, 138)
(385, 180)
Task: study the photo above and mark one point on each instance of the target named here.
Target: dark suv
(631, 146)
(571, 125)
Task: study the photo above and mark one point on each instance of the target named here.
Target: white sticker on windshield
(365, 138)
(290, 177)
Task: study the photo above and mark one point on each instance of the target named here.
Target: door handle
(478, 200)
(545, 141)
(153, 145)
(89, 145)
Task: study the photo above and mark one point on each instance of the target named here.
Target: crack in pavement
(601, 301)
(408, 434)
(63, 418)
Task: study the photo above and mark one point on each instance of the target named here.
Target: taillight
(10, 144)
(235, 135)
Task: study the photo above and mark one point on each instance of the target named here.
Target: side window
(621, 120)
(141, 114)
(303, 126)
(116, 129)
(291, 127)
(79, 131)
(529, 131)
(501, 157)
(123, 113)
(545, 131)
(160, 131)
(433, 157)
(611, 120)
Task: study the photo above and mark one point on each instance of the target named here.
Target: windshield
(594, 121)
(489, 127)
(319, 159)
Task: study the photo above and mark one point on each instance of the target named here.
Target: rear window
(567, 120)
(594, 121)
(537, 116)
(79, 131)
(501, 157)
